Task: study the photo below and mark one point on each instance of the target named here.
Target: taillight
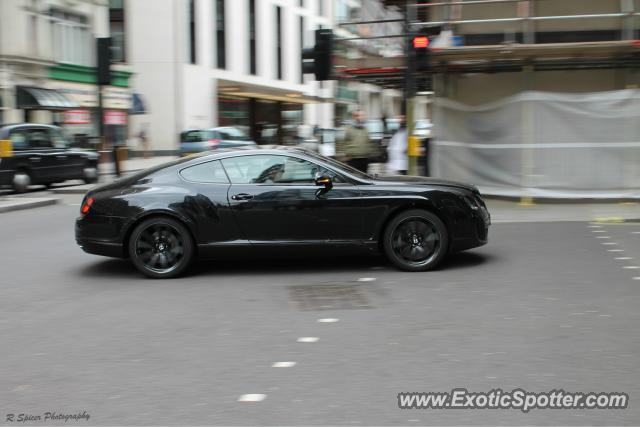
(86, 205)
(213, 143)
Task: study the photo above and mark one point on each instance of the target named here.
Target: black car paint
(46, 164)
(351, 216)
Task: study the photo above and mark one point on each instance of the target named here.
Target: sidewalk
(133, 165)
(512, 211)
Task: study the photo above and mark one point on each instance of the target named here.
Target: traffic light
(103, 50)
(318, 59)
(421, 46)
(421, 51)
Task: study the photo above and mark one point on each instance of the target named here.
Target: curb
(80, 189)
(16, 205)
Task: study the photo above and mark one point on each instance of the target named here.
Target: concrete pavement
(544, 305)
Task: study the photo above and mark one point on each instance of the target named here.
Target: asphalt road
(544, 306)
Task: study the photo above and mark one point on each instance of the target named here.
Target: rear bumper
(101, 235)
(94, 247)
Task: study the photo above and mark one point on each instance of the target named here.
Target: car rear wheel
(416, 240)
(21, 181)
(161, 247)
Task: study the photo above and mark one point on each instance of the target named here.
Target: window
(271, 169)
(193, 136)
(209, 172)
(279, 42)
(252, 36)
(39, 138)
(116, 30)
(192, 32)
(301, 47)
(220, 35)
(72, 41)
(18, 139)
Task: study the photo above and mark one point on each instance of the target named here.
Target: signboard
(86, 95)
(77, 117)
(115, 117)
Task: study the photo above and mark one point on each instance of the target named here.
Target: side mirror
(324, 181)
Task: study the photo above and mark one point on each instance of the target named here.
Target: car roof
(8, 127)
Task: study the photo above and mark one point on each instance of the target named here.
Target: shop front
(267, 115)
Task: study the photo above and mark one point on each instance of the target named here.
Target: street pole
(103, 76)
(410, 85)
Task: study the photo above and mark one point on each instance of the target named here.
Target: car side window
(272, 169)
(18, 139)
(39, 138)
(209, 172)
(192, 136)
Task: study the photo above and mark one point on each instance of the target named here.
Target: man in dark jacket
(355, 148)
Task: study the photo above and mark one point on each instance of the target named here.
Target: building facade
(207, 63)
(47, 67)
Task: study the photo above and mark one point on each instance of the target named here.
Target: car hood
(421, 180)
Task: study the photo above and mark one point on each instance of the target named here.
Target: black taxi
(40, 154)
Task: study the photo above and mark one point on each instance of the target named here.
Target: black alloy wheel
(415, 240)
(161, 247)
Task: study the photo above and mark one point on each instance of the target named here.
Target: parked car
(199, 140)
(228, 203)
(40, 154)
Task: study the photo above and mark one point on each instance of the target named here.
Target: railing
(524, 14)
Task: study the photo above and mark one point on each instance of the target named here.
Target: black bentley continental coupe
(276, 200)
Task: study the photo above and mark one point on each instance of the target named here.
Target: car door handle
(242, 196)
(34, 159)
(61, 157)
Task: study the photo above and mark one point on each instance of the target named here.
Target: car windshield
(232, 134)
(340, 166)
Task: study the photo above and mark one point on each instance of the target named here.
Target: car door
(69, 163)
(48, 161)
(274, 199)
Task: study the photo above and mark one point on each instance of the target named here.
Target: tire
(415, 240)
(90, 174)
(161, 247)
(21, 181)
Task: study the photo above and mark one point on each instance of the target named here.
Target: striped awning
(35, 98)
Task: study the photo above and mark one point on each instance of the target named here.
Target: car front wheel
(161, 247)
(416, 240)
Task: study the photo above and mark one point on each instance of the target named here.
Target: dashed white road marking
(615, 250)
(594, 226)
(635, 232)
(598, 231)
(252, 398)
(636, 278)
(308, 339)
(283, 365)
(605, 315)
(624, 257)
(603, 237)
(367, 279)
(328, 320)
(631, 267)
(609, 243)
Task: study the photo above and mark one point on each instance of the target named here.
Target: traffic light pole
(410, 85)
(103, 76)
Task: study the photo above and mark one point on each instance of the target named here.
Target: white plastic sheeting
(542, 144)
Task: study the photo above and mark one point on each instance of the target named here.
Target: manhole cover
(328, 296)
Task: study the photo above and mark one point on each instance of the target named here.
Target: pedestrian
(144, 141)
(397, 150)
(355, 148)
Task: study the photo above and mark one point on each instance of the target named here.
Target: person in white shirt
(398, 162)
